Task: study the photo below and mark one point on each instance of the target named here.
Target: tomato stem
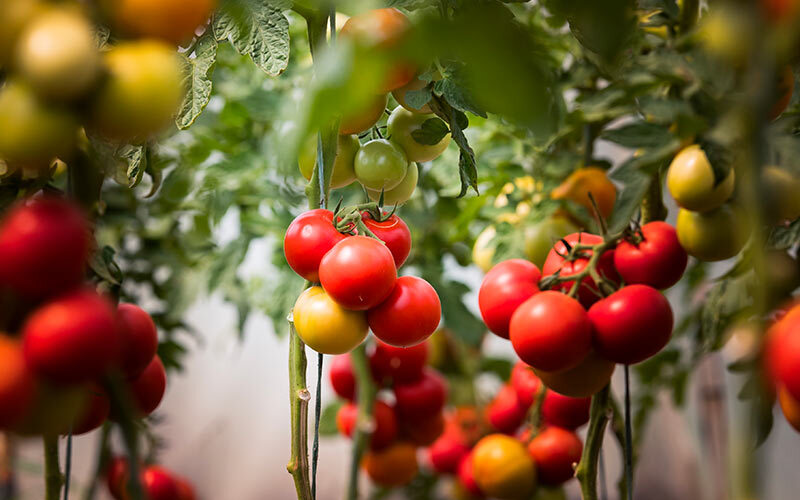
(52, 471)
(586, 472)
(628, 437)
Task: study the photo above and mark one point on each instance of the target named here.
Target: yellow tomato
(325, 326)
(727, 33)
(343, 173)
(393, 466)
(503, 468)
(401, 192)
(586, 379)
(690, 180)
(585, 181)
(170, 20)
(711, 236)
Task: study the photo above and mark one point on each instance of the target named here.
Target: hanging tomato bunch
(158, 483)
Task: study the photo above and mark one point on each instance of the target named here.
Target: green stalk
(586, 472)
(52, 471)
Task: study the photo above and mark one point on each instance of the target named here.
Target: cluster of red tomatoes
(414, 419)
(573, 333)
(782, 363)
(158, 483)
(63, 338)
(358, 286)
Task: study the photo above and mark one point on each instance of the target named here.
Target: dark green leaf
(198, 80)
(639, 135)
(432, 131)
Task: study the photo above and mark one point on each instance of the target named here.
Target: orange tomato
(392, 466)
(585, 181)
(790, 407)
(503, 468)
(171, 20)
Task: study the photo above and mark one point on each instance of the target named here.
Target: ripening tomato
(96, 411)
(385, 423)
(159, 484)
(525, 383)
(308, 238)
(343, 173)
(504, 288)
(403, 124)
(564, 411)
(400, 193)
(506, 412)
(44, 247)
(392, 231)
(423, 432)
(422, 399)
(138, 339)
(790, 408)
(503, 468)
(551, 331)
(148, 388)
(556, 451)
(586, 379)
(380, 164)
(325, 326)
(16, 383)
(72, 339)
(583, 182)
(782, 352)
(466, 477)
(409, 315)
(358, 273)
(632, 324)
(170, 20)
(691, 180)
(657, 260)
(542, 235)
(393, 466)
(715, 235)
(400, 95)
(343, 379)
(392, 364)
(556, 262)
(362, 119)
(446, 453)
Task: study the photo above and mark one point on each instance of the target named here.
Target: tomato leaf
(467, 167)
(418, 98)
(198, 80)
(639, 135)
(257, 29)
(432, 131)
(327, 419)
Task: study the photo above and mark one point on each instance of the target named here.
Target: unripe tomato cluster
(573, 333)
(397, 428)
(62, 339)
(59, 81)
(158, 483)
(782, 363)
(358, 286)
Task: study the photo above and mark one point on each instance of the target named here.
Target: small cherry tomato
(394, 232)
(138, 339)
(308, 238)
(325, 326)
(380, 164)
(343, 379)
(446, 453)
(551, 331)
(556, 451)
(358, 273)
(586, 379)
(657, 260)
(409, 315)
(148, 388)
(393, 466)
(392, 364)
(564, 411)
(556, 262)
(692, 182)
(504, 288)
(525, 383)
(402, 125)
(422, 399)
(506, 412)
(632, 324)
(16, 383)
(385, 428)
(503, 467)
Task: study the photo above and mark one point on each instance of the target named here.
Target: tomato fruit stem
(52, 471)
(586, 471)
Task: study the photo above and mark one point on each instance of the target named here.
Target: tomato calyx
(582, 251)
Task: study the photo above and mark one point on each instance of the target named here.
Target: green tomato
(343, 172)
(400, 193)
(380, 164)
(690, 180)
(402, 124)
(711, 236)
(33, 133)
(541, 236)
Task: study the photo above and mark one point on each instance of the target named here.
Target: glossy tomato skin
(631, 324)
(358, 273)
(326, 326)
(525, 382)
(392, 364)
(782, 352)
(586, 379)
(421, 399)
(381, 164)
(409, 315)
(44, 247)
(138, 338)
(658, 260)
(308, 238)
(394, 232)
(587, 291)
(555, 450)
(385, 430)
(446, 453)
(72, 339)
(551, 331)
(564, 411)
(466, 477)
(504, 288)
(159, 484)
(393, 466)
(96, 411)
(343, 379)
(503, 468)
(17, 383)
(506, 412)
(149, 387)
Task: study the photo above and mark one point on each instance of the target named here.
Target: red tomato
(446, 453)
(149, 387)
(632, 324)
(159, 484)
(409, 315)
(782, 352)
(73, 338)
(421, 399)
(397, 364)
(525, 383)
(117, 476)
(139, 339)
(308, 238)
(504, 288)
(555, 451)
(44, 247)
(423, 432)
(587, 291)
(394, 232)
(17, 385)
(343, 380)
(96, 411)
(358, 273)
(658, 260)
(506, 412)
(467, 479)
(564, 411)
(185, 489)
(586, 379)
(551, 331)
(385, 430)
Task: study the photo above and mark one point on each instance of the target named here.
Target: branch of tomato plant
(586, 472)
(121, 399)
(364, 423)
(52, 471)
